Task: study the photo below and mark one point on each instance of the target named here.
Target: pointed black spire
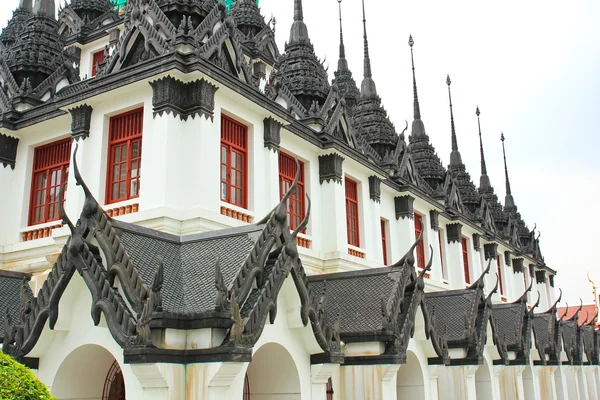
(455, 158)
(45, 7)
(25, 5)
(418, 128)
(509, 202)
(342, 63)
(417, 109)
(367, 88)
(484, 180)
(299, 31)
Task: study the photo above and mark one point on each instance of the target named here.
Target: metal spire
(455, 158)
(46, 7)
(25, 5)
(484, 180)
(509, 202)
(417, 109)
(342, 63)
(298, 14)
(367, 88)
(298, 32)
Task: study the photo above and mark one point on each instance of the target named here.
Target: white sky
(531, 66)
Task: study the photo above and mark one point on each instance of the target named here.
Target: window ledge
(122, 208)
(39, 231)
(229, 210)
(356, 251)
(303, 240)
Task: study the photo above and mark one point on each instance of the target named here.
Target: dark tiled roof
(508, 321)
(10, 296)
(358, 297)
(189, 262)
(451, 308)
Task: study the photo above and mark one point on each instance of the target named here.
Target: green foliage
(17, 382)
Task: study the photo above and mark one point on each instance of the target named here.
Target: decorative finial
(25, 5)
(298, 14)
(484, 181)
(455, 158)
(367, 87)
(299, 31)
(342, 63)
(417, 108)
(45, 7)
(509, 201)
(367, 72)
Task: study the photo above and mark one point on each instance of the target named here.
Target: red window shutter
(384, 242)
(49, 178)
(352, 212)
(234, 162)
(501, 285)
(287, 174)
(97, 58)
(124, 156)
(465, 253)
(420, 247)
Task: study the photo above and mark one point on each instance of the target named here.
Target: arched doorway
(89, 372)
(483, 382)
(273, 374)
(409, 383)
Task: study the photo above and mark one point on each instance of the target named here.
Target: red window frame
(246, 394)
(420, 249)
(465, 253)
(124, 156)
(296, 203)
(97, 58)
(50, 174)
(114, 384)
(384, 242)
(352, 226)
(501, 284)
(234, 162)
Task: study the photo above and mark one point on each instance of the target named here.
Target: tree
(17, 382)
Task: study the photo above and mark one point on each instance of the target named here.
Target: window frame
(420, 248)
(127, 139)
(298, 198)
(500, 276)
(464, 241)
(351, 187)
(239, 149)
(63, 165)
(384, 240)
(96, 62)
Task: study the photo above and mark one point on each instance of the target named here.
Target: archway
(90, 372)
(273, 374)
(409, 383)
(483, 382)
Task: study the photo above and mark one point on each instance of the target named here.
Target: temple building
(191, 212)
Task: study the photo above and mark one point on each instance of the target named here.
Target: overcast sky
(533, 69)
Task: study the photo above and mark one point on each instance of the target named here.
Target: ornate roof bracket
(81, 117)
(272, 133)
(8, 150)
(170, 95)
(330, 168)
(375, 188)
(404, 207)
(547, 331)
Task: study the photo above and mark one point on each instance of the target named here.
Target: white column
(160, 381)
(403, 228)
(333, 210)
(320, 375)
(458, 383)
(454, 257)
(581, 382)
(590, 376)
(434, 376)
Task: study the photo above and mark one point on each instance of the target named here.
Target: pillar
(404, 226)
(458, 382)
(320, 375)
(333, 198)
(376, 382)
(455, 257)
